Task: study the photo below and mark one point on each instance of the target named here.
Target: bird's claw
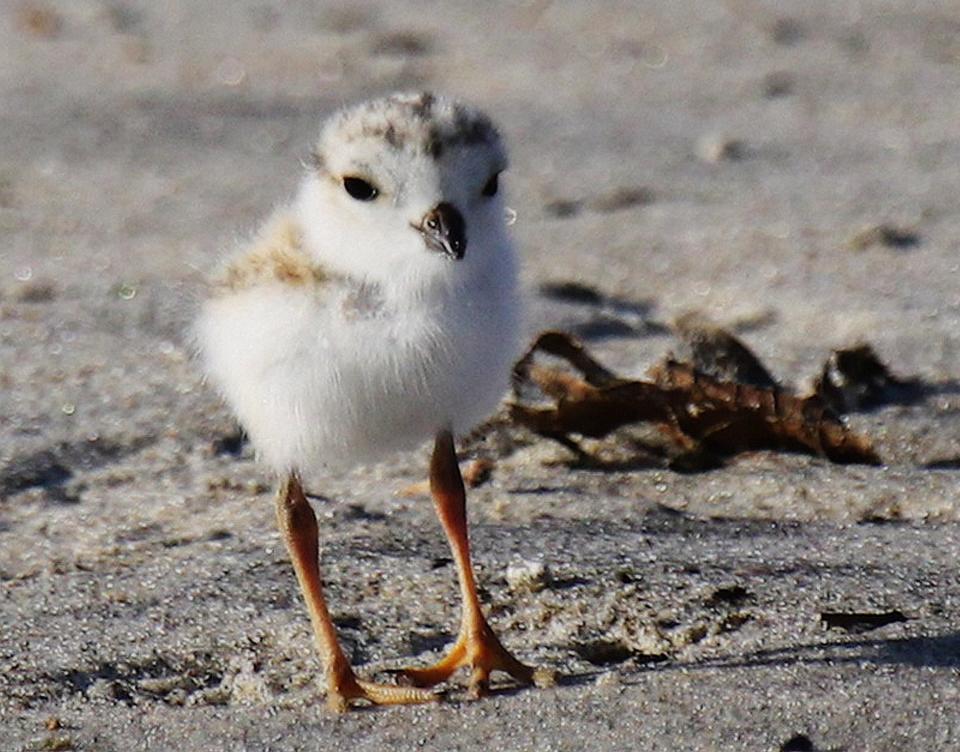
(347, 688)
(483, 653)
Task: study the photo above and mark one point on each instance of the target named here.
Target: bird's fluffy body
(338, 336)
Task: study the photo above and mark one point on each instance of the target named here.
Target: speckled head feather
(382, 169)
(420, 122)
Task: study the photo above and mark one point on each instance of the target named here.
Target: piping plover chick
(379, 309)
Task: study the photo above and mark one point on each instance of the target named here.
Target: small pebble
(35, 291)
(531, 576)
(608, 679)
(714, 148)
(885, 235)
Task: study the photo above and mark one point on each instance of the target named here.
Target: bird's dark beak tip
(444, 230)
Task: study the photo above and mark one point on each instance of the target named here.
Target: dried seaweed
(860, 621)
(734, 417)
(855, 379)
(716, 352)
(696, 411)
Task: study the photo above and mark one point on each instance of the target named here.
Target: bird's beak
(444, 230)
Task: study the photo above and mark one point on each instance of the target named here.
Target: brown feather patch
(276, 256)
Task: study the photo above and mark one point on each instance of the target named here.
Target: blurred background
(730, 156)
(788, 170)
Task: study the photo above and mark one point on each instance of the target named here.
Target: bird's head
(405, 187)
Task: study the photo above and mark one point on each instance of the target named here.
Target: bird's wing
(276, 255)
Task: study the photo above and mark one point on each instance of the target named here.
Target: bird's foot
(481, 651)
(346, 687)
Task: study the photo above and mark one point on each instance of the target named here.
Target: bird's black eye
(490, 189)
(360, 189)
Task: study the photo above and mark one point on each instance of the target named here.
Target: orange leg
(477, 646)
(298, 525)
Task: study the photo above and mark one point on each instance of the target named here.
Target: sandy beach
(788, 170)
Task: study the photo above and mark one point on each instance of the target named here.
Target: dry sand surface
(789, 169)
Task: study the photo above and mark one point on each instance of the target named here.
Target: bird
(377, 309)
